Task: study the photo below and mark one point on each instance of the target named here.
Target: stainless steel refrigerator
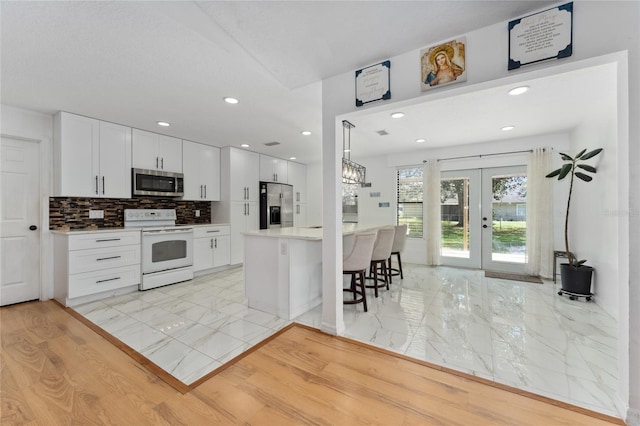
(276, 205)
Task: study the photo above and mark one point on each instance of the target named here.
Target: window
(410, 192)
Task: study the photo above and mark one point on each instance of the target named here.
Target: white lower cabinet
(92, 265)
(211, 247)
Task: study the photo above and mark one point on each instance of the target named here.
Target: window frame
(412, 233)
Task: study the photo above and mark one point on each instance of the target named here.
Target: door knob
(484, 226)
(484, 218)
(33, 228)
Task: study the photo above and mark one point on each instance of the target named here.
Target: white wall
(600, 28)
(314, 194)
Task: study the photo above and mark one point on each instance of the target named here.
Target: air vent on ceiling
(382, 132)
(274, 143)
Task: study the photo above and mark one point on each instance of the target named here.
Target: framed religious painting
(443, 64)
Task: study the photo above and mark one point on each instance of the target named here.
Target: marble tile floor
(516, 333)
(188, 329)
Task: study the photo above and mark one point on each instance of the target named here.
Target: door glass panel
(509, 217)
(454, 216)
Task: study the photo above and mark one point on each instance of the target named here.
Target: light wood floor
(56, 371)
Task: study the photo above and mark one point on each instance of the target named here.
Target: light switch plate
(96, 214)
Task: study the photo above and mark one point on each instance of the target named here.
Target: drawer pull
(110, 279)
(217, 230)
(109, 258)
(107, 239)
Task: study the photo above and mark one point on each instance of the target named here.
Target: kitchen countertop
(123, 229)
(311, 233)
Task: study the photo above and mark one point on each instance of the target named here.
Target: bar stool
(398, 245)
(381, 253)
(356, 263)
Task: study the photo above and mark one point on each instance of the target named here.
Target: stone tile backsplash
(66, 213)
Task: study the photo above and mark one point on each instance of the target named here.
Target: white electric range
(167, 249)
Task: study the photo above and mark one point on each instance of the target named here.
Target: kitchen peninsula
(283, 267)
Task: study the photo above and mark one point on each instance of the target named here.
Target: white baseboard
(633, 417)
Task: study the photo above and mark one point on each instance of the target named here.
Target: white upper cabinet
(201, 165)
(92, 158)
(273, 169)
(243, 175)
(297, 176)
(156, 152)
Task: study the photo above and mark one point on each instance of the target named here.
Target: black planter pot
(576, 280)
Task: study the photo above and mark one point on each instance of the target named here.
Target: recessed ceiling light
(518, 90)
(397, 115)
(507, 128)
(245, 145)
(163, 124)
(231, 100)
(292, 158)
(420, 140)
(305, 132)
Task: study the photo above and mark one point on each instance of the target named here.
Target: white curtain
(539, 214)
(432, 216)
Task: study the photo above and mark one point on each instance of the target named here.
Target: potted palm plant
(575, 275)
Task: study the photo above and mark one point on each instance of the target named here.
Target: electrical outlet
(96, 214)
(197, 213)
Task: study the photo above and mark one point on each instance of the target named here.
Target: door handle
(216, 243)
(102, 185)
(205, 191)
(211, 243)
(162, 163)
(200, 191)
(33, 228)
(96, 185)
(157, 163)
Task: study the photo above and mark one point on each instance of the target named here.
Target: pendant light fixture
(352, 172)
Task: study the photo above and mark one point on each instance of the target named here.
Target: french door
(483, 216)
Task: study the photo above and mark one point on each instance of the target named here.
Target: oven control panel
(149, 217)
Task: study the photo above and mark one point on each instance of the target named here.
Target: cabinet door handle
(211, 243)
(110, 279)
(107, 239)
(157, 163)
(162, 163)
(200, 191)
(108, 258)
(297, 196)
(96, 185)
(102, 185)
(205, 191)
(216, 243)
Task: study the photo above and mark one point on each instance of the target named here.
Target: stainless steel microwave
(156, 183)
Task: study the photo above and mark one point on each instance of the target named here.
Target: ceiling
(137, 63)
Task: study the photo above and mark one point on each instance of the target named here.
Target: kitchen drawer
(81, 261)
(103, 239)
(210, 231)
(103, 280)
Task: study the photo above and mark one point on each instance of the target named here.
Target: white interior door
(483, 216)
(19, 221)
